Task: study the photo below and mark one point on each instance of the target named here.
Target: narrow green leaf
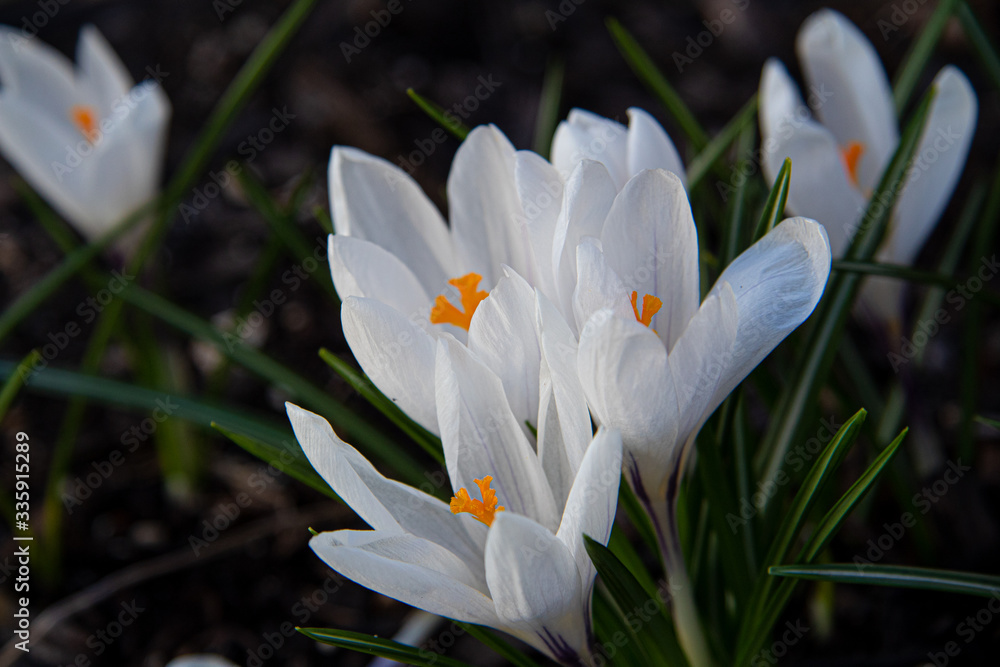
(981, 43)
(774, 207)
(896, 576)
(650, 75)
(733, 233)
(489, 638)
(988, 422)
(547, 117)
(383, 648)
(15, 380)
(616, 639)
(920, 52)
(657, 636)
(438, 115)
(702, 163)
(361, 384)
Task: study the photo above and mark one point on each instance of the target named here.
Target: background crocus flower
(655, 363)
(507, 551)
(87, 139)
(838, 157)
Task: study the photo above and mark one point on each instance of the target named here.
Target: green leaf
(383, 648)
(502, 648)
(820, 349)
(920, 52)
(547, 117)
(733, 233)
(897, 576)
(988, 422)
(774, 207)
(650, 75)
(657, 636)
(438, 114)
(981, 43)
(15, 380)
(361, 384)
(702, 163)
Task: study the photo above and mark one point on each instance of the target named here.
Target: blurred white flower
(86, 139)
(838, 158)
(200, 660)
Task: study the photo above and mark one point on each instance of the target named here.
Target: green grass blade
(650, 75)
(733, 233)
(896, 576)
(383, 648)
(821, 346)
(981, 42)
(702, 163)
(438, 114)
(502, 648)
(361, 384)
(920, 52)
(774, 207)
(547, 117)
(12, 385)
(993, 423)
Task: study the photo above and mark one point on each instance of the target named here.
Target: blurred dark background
(233, 596)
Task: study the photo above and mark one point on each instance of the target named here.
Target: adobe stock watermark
(302, 611)
(958, 297)
(565, 9)
(249, 148)
(900, 14)
(968, 630)
(714, 28)
(224, 7)
(770, 655)
(796, 459)
(30, 25)
(454, 116)
(363, 35)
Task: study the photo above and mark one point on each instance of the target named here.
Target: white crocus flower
(200, 660)
(508, 551)
(838, 157)
(656, 371)
(393, 256)
(88, 140)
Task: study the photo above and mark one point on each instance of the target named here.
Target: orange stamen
(851, 156)
(85, 120)
(650, 306)
(485, 510)
(444, 312)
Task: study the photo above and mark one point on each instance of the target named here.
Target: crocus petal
(101, 72)
(590, 508)
(481, 436)
(38, 74)
(396, 354)
(535, 585)
(845, 72)
(374, 200)
(701, 356)
(484, 208)
(940, 157)
(407, 569)
(502, 335)
(777, 282)
(564, 429)
(587, 136)
(650, 147)
(819, 186)
(587, 198)
(598, 286)
(650, 241)
(540, 188)
(200, 660)
(385, 505)
(779, 104)
(363, 269)
(626, 377)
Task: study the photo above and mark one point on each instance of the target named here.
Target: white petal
(819, 187)
(481, 436)
(650, 241)
(777, 282)
(650, 147)
(101, 71)
(626, 377)
(587, 198)
(484, 208)
(564, 429)
(396, 354)
(374, 200)
(200, 660)
(385, 505)
(503, 336)
(598, 287)
(39, 75)
(587, 136)
(779, 103)
(590, 509)
(701, 356)
(535, 584)
(939, 160)
(363, 269)
(407, 569)
(844, 72)
(540, 188)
